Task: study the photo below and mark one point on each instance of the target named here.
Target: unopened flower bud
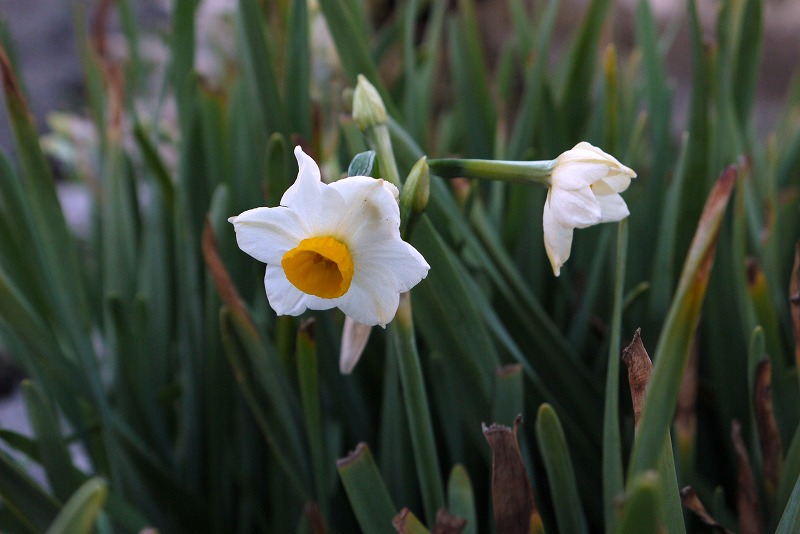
(415, 193)
(417, 188)
(368, 108)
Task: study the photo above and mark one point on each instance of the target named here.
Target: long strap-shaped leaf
(790, 521)
(366, 491)
(563, 486)
(79, 514)
(676, 337)
(26, 499)
(260, 69)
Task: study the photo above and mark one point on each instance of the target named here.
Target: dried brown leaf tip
(640, 367)
(704, 243)
(10, 84)
(794, 302)
(512, 496)
(308, 329)
(747, 506)
(692, 502)
(405, 522)
(768, 436)
(353, 456)
(315, 519)
(447, 523)
(508, 370)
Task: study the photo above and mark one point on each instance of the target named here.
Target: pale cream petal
(578, 174)
(613, 208)
(354, 340)
(585, 164)
(267, 233)
(557, 238)
(574, 209)
(618, 181)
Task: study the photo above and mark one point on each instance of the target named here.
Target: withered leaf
(315, 518)
(512, 496)
(640, 367)
(227, 291)
(685, 414)
(768, 436)
(405, 522)
(794, 302)
(448, 524)
(692, 502)
(747, 506)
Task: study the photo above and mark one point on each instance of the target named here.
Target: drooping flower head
(584, 190)
(332, 245)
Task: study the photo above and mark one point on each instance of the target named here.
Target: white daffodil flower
(333, 245)
(584, 190)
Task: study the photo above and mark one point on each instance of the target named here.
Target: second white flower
(584, 190)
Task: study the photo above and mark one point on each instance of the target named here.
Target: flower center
(319, 266)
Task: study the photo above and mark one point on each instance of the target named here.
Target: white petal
(354, 340)
(574, 209)
(366, 201)
(613, 208)
(267, 233)
(308, 180)
(286, 299)
(393, 255)
(350, 187)
(317, 205)
(557, 238)
(371, 299)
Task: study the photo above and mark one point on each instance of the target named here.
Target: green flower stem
(379, 141)
(416, 402)
(507, 171)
